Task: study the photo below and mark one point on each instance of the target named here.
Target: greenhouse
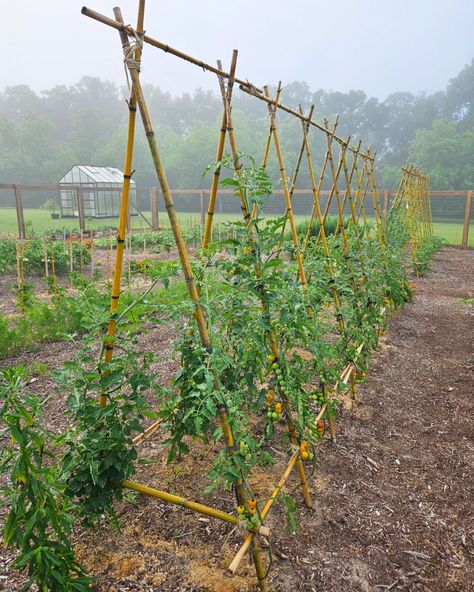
(100, 188)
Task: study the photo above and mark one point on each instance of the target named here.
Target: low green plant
(425, 251)
(40, 516)
(100, 450)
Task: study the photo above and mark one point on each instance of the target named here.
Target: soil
(392, 497)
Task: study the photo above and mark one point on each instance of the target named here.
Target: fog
(374, 45)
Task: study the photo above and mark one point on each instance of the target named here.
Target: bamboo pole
(240, 485)
(249, 89)
(91, 252)
(226, 93)
(150, 430)
(194, 506)
(124, 204)
(19, 274)
(284, 182)
(45, 256)
(266, 509)
(128, 30)
(385, 203)
(317, 192)
(245, 85)
(71, 257)
(53, 270)
(80, 209)
(297, 167)
(155, 222)
(264, 303)
(81, 258)
(19, 212)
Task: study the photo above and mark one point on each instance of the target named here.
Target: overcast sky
(379, 46)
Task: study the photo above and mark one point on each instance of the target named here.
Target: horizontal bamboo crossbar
(131, 32)
(248, 88)
(194, 506)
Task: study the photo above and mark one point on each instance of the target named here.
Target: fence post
(80, 209)
(155, 220)
(203, 213)
(467, 220)
(19, 212)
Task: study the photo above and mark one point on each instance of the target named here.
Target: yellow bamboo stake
(227, 93)
(192, 289)
(45, 256)
(124, 205)
(316, 195)
(71, 258)
(270, 333)
(194, 506)
(297, 167)
(266, 509)
(53, 270)
(284, 182)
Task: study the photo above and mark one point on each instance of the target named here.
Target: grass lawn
(42, 221)
(452, 232)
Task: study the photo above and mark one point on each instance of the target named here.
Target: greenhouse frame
(100, 189)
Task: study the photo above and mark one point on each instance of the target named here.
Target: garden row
(279, 356)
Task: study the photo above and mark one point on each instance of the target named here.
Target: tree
(460, 97)
(445, 153)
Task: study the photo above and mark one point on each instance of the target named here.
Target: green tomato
(274, 366)
(270, 415)
(275, 415)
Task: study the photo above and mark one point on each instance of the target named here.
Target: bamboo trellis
(413, 200)
(351, 174)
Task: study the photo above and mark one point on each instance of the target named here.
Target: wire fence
(40, 210)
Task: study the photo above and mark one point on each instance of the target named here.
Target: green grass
(42, 221)
(452, 232)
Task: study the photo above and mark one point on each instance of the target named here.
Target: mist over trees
(43, 135)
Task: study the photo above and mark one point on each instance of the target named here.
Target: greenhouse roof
(96, 174)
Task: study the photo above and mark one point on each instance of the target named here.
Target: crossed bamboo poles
(413, 200)
(132, 55)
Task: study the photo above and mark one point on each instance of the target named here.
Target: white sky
(379, 46)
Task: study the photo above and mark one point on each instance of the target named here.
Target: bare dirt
(392, 498)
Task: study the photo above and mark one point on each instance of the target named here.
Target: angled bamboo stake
(334, 292)
(270, 333)
(219, 154)
(348, 179)
(240, 485)
(297, 166)
(243, 549)
(284, 182)
(124, 205)
(316, 195)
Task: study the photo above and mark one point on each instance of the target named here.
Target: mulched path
(393, 497)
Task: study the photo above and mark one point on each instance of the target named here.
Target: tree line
(42, 135)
